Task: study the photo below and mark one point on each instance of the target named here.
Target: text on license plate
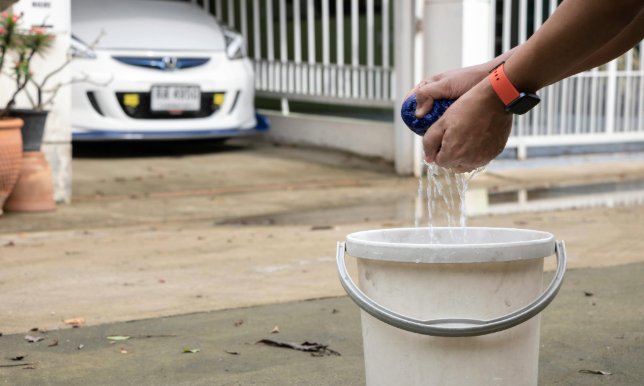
(175, 98)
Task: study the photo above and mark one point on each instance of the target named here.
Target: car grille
(143, 110)
(164, 63)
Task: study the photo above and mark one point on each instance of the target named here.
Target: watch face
(524, 103)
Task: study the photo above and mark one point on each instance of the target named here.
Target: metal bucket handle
(452, 327)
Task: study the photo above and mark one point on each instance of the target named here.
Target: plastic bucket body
(450, 306)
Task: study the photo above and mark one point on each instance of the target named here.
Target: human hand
(472, 132)
(448, 85)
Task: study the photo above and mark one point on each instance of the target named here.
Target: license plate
(175, 98)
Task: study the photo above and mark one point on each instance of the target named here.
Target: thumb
(427, 94)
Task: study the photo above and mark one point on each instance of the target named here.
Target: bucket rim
(540, 245)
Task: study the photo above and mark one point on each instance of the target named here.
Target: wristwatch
(515, 102)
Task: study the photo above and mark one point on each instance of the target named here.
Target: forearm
(624, 41)
(577, 36)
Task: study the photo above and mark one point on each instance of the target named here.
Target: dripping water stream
(445, 197)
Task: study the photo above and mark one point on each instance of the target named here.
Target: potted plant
(10, 136)
(34, 42)
(33, 190)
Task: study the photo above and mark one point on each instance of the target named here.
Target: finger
(410, 93)
(432, 142)
(426, 95)
(424, 102)
(442, 159)
(416, 88)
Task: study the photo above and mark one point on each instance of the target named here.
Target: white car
(158, 69)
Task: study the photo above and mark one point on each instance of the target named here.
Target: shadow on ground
(142, 149)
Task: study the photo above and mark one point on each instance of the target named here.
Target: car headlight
(81, 50)
(235, 48)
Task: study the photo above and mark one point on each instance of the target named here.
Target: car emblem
(170, 63)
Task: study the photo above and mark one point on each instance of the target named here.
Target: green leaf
(118, 337)
(190, 350)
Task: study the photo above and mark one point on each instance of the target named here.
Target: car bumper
(99, 110)
(107, 135)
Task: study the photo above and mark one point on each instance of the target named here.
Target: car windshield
(146, 25)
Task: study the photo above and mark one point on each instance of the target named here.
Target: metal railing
(336, 51)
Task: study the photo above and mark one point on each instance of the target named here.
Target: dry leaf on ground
(33, 339)
(316, 349)
(75, 322)
(595, 372)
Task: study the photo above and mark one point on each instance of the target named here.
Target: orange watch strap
(502, 85)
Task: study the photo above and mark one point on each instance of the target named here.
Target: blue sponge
(420, 126)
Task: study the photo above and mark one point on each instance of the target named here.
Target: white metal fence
(605, 104)
(324, 50)
(339, 51)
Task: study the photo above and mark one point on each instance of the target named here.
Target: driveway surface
(188, 239)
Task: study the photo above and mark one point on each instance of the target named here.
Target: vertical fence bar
(523, 21)
(552, 93)
(385, 48)
(370, 47)
(611, 96)
(579, 99)
(297, 47)
(257, 41)
(640, 108)
(206, 6)
(231, 13)
(355, 47)
(507, 25)
(538, 21)
(310, 25)
(523, 36)
(553, 6)
(339, 22)
(218, 10)
(628, 90)
(283, 84)
(270, 45)
(492, 26)
(260, 77)
(538, 14)
(592, 125)
(326, 48)
(243, 10)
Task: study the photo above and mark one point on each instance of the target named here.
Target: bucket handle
(452, 327)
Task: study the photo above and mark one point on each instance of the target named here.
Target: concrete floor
(158, 230)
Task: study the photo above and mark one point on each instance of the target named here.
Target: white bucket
(462, 310)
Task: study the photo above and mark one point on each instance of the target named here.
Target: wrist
(485, 89)
(521, 77)
(515, 101)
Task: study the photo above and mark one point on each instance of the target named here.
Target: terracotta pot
(34, 191)
(10, 156)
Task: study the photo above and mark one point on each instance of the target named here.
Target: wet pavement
(246, 231)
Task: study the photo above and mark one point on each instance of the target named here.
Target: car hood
(145, 25)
